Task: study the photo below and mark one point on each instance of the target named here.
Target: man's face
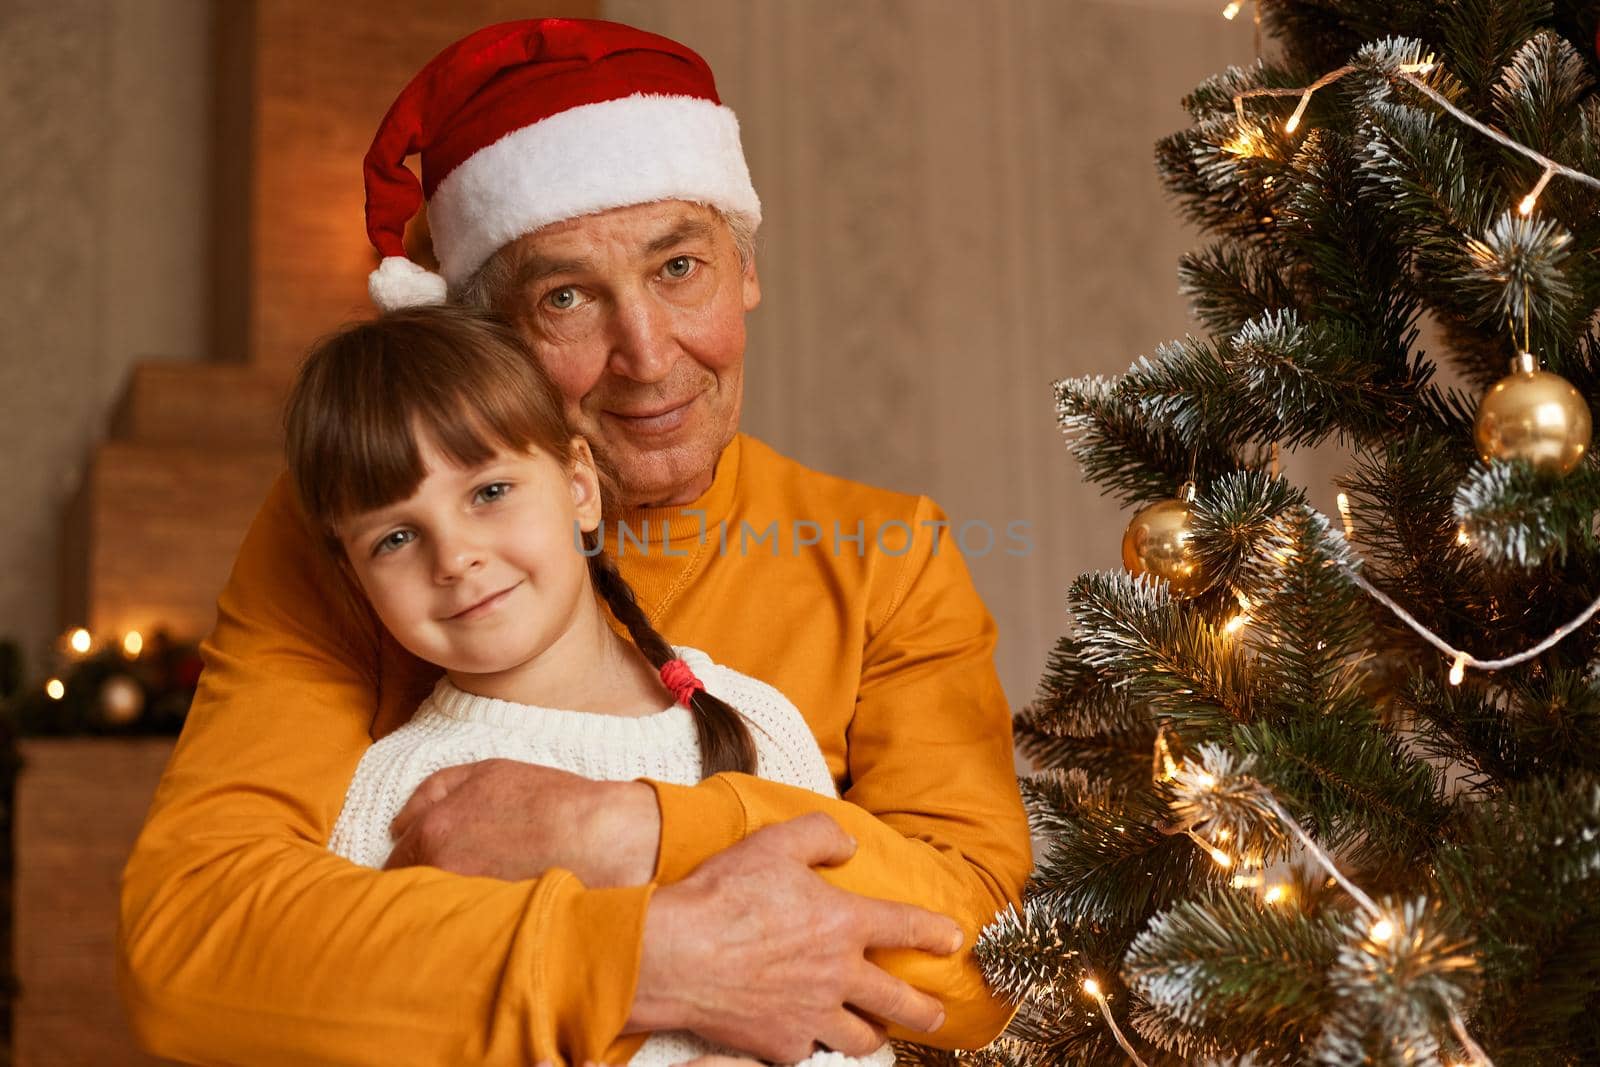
(638, 315)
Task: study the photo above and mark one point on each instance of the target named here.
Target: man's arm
(243, 940)
(932, 799)
(932, 811)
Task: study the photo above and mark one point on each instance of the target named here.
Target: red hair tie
(680, 681)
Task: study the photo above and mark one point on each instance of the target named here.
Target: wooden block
(80, 803)
(200, 403)
(163, 524)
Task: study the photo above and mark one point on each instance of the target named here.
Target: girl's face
(480, 570)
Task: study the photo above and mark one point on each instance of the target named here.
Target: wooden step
(153, 531)
(79, 805)
(178, 402)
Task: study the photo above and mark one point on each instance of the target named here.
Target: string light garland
(1216, 777)
(1551, 167)
(1460, 659)
(1412, 74)
(1092, 987)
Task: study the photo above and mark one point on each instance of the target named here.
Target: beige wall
(103, 197)
(961, 207)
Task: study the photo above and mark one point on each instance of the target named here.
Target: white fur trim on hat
(400, 283)
(634, 150)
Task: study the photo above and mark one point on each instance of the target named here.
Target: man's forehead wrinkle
(537, 266)
(684, 230)
(685, 225)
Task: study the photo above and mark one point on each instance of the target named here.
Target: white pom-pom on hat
(400, 283)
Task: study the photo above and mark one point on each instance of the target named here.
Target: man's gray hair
(489, 286)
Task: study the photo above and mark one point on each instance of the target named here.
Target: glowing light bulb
(1231, 12)
(1276, 894)
(55, 689)
(1221, 858)
(1458, 670)
(1091, 987)
(1224, 834)
(1299, 110)
(1344, 513)
(1461, 536)
(1526, 206)
(132, 643)
(1245, 881)
(1235, 624)
(1381, 931)
(79, 641)
(1205, 780)
(1246, 142)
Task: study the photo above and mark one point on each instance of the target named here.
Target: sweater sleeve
(932, 797)
(244, 940)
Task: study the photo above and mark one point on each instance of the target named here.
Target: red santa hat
(528, 123)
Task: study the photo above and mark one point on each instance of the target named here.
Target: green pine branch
(1352, 785)
(1520, 518)
(1114, 867)
(1227, 962)
(1234, 516)
(1173, 659)
(1229, 283)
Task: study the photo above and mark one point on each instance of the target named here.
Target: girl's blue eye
(393, 540)
(491, 492)
(679, 267)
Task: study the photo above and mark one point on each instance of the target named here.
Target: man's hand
(755, 951)
(512, 820)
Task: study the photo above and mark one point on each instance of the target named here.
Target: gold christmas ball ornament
(121, 699)
(1533, 415)
(1158, 543)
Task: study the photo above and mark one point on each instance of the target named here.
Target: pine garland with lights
(1282, 824)
(109, 685)
(99, 686)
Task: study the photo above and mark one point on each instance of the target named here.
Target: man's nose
(642, 346)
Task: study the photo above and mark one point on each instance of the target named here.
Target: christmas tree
(1326, 789)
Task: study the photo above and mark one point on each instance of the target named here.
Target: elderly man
(584, 180)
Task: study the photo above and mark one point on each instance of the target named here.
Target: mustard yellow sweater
(244, 940)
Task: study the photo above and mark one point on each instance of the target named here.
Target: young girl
(433, 450)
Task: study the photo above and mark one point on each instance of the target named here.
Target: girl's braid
(725, 742)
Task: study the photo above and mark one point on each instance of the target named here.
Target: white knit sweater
(452, 728)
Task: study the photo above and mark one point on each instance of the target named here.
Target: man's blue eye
(679, 266)
(563, 299)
